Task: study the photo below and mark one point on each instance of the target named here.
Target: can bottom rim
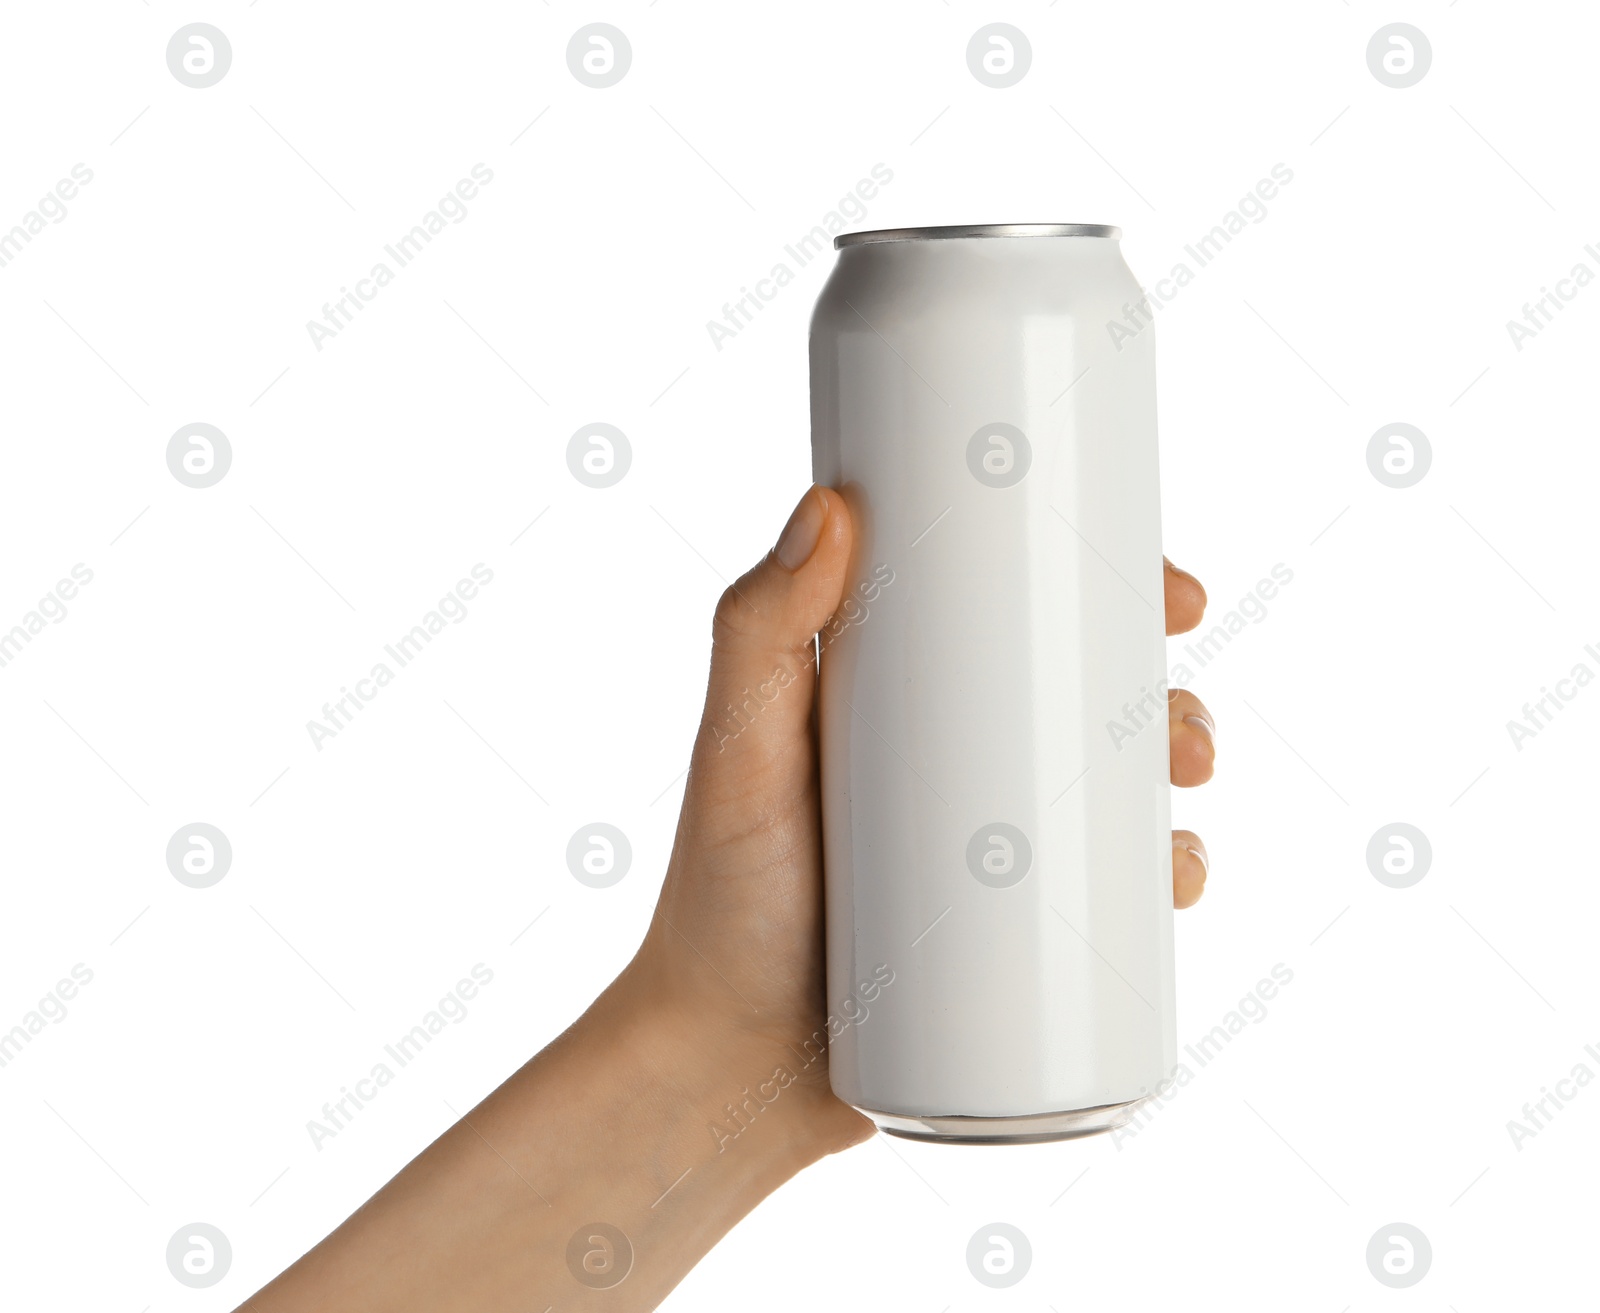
(1034, 1128)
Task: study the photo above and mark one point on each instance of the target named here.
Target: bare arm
(697, 1083)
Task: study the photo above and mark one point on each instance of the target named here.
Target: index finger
(1185, 598)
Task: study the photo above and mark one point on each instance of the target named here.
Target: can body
(992, 711)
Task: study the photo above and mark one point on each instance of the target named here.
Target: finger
(1185, 597)
(763, 666)
(1193, 735)
(1189, 867)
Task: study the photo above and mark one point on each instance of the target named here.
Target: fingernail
(800, 536)
(1200, 856)
(1205, 727)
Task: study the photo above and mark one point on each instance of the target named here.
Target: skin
(627, 1118)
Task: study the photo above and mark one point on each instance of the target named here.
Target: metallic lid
(978, 230)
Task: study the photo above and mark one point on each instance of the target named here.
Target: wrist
(748, 1089)
(640, 1085)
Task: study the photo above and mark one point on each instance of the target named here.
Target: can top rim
(977, 230)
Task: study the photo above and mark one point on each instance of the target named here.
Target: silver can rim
(1032, 1128)
(977, 230)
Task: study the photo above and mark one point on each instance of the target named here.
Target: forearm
(612, 1124)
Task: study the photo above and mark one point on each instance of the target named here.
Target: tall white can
(992, 705)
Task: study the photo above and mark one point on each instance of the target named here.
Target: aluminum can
(992, 707)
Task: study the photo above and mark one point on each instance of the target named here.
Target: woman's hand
(737, 940)
(603, 1170)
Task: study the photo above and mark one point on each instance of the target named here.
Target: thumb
(763, 663)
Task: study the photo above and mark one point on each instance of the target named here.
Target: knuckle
(731, 620)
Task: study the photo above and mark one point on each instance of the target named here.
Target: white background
(368, 877)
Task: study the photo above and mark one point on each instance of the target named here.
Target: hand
(600, 1173)
(737, 940)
